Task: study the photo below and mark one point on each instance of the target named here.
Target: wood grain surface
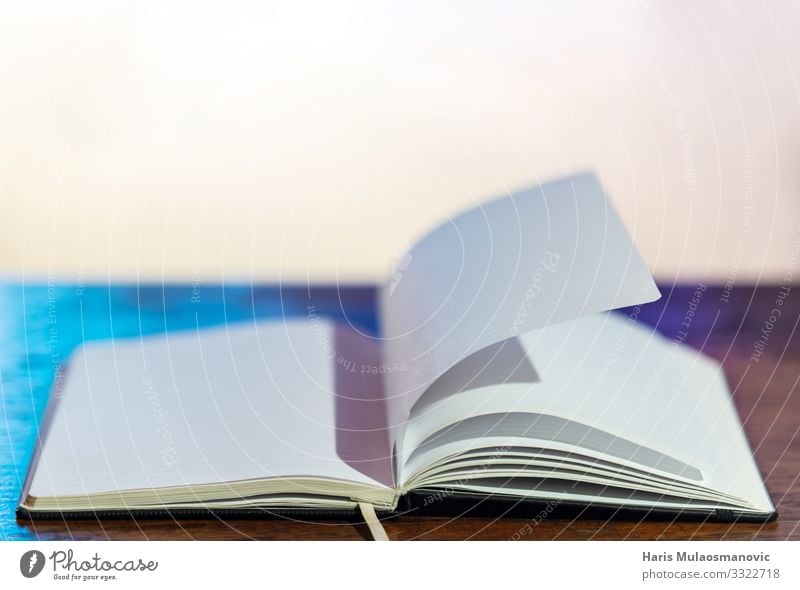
(41, 324)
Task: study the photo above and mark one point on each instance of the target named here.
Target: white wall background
(247, 140)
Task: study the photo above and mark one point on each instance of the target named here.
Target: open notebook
(500, 375)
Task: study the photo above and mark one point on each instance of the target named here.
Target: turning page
(515, 264)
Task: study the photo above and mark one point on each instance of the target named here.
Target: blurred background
(204, 141)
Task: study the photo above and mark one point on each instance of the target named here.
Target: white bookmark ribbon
(373, 523)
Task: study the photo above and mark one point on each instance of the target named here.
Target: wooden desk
(40, 325)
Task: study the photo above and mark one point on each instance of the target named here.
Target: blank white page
(610, 373)
(515, 264)
(223, 404)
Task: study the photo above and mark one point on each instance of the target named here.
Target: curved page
(515, 264)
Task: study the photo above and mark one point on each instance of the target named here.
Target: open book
(500, 374)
